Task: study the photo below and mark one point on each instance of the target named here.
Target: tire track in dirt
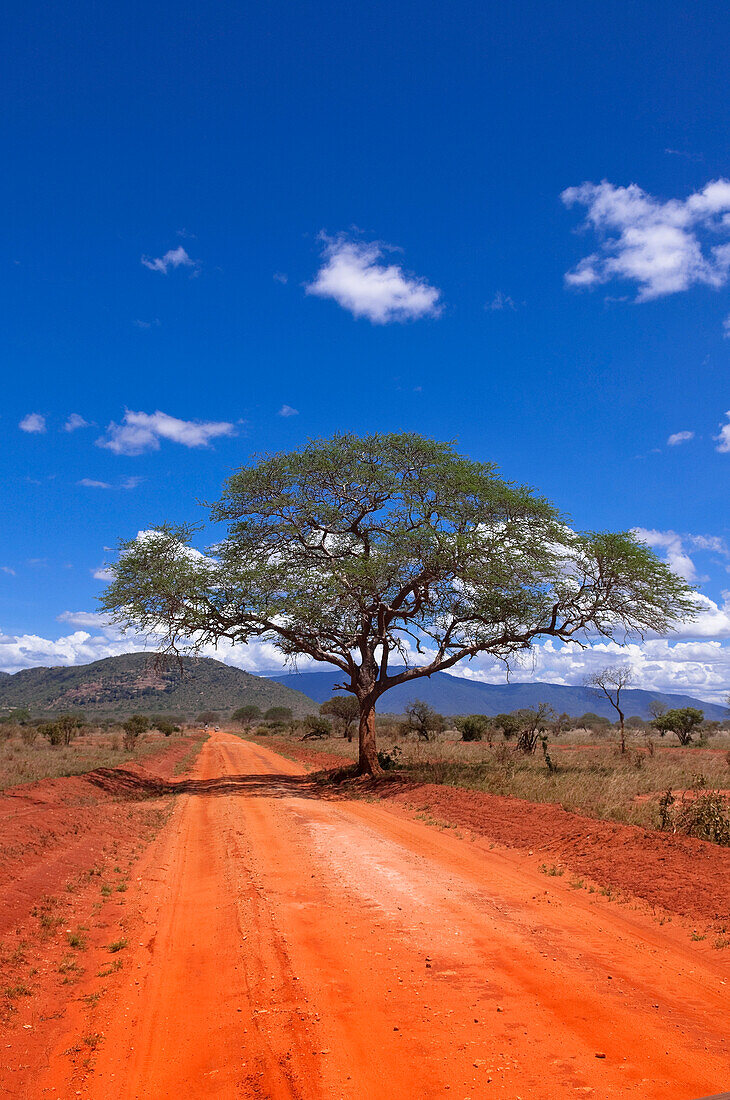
(296, 947)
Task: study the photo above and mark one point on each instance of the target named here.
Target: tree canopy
(362, 551)
(683, 721)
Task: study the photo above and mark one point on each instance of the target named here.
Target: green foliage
(246, 715)
(472, 726)
(166, 728)
(63, 730)
(706, 816)
(208, 717)
(509, 724)
(18, 716)
(315, 727)
(591, 721)
(133, 728)
(684, 721)
(389, 760)
(345, 710)
(363, 545)
(278, 714)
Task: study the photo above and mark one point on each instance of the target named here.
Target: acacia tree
(344, 710)
(423, 720)
(387, 549)
(684, 721)
(610, 682)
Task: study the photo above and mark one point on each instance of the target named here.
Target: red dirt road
(291, 946)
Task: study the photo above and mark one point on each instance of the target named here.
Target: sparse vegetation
(589, 775)
(23, 762)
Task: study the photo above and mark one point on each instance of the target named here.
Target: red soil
(282, 945)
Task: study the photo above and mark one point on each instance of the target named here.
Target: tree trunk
(623, 735)
(368, 763)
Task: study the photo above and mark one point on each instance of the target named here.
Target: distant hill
(456, 695)
(118, 686)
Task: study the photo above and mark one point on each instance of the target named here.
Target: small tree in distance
(509, 724)
(534, 722)
(208, 717)
(370, 552)
(133, 728)
(345, 710)
(472, 727)
(683, 721)
(278, 714)
(422, 720)
(610, 682)
(246, 714)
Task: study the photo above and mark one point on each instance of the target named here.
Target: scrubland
(586, 772)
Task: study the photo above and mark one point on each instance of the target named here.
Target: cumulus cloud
(699, 668)
(663, 247)
(679, 437)
(287, 410)
(140, 432)
(675, 553)
(33, 423)
(173, 258)
(74, 422)
(676, 550)
(352, 275)
(695, 667)
(726, 327)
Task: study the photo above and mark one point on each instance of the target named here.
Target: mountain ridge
(452, 695)
(118, 686)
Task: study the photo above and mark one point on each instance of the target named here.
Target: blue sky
(507, 225)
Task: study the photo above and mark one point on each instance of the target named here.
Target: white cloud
(33, 423)
(102, 574)
(352, 276)
(726, 327)
(74, 422)
(671, 543)
(501, 301)
(287, 410)
(723, 439)
(662, 246)
(173, 258)
(696, 667)
(140, 432)
(7, 569)
(679, 437)
(132, 482)
(95, 619)
(89, 483)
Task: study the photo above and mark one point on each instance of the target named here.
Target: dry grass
(24, 763)
(590, 775)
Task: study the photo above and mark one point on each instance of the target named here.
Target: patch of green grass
(553, 870)
(76, 940)
(117, 945)
(12, 992)
(110, 969)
